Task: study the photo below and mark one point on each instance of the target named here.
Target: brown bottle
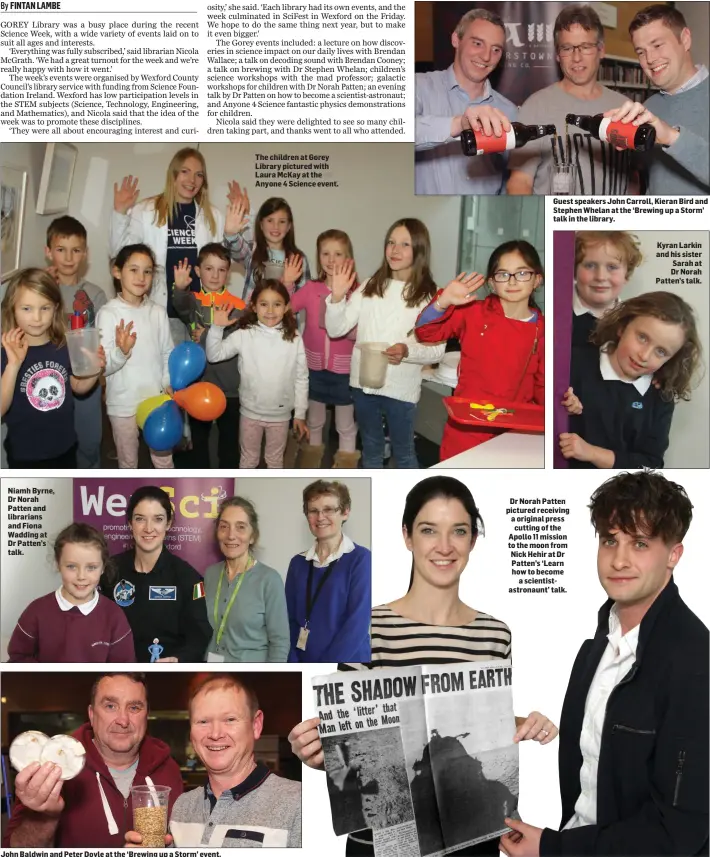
(621, 135)
(519, 135)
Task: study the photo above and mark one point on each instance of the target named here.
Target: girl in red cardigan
(502, 337)
(75, 624)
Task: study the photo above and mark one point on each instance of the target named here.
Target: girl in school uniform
(75, 624)
(623, 392)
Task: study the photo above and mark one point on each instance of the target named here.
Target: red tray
(526, 417)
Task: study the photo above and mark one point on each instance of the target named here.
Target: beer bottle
(519, 135)
(622, 135)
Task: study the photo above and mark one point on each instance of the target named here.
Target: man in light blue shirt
(457, 98)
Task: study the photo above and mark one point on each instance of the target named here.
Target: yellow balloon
(147, 406)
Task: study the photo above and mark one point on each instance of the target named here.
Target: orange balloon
(203, 400)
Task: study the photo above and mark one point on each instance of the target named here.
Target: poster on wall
(195, 501)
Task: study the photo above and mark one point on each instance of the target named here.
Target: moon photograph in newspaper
(462, 767)
(367, 780)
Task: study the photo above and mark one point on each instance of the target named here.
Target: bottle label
(618, 134)
(489, 145)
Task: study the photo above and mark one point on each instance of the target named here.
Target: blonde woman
(175, 224)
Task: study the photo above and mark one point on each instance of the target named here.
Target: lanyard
(220, 631)
(311, 601)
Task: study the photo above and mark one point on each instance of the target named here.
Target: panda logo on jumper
(46, 389)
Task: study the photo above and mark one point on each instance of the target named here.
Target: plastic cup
(373, 364)
(273, 270)
(83, 345)
(150, 814)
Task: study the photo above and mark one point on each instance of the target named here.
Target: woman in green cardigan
(246, 603)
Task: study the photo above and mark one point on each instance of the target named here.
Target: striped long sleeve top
(401, 642)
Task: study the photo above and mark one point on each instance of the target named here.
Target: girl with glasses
(502, 337)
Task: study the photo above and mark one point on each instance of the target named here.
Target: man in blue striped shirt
(457, 98)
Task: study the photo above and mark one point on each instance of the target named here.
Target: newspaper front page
(422, 755)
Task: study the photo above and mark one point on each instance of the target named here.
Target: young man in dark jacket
(94, 809)
(633, 753)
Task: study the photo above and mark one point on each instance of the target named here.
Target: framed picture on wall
(13, 189)
(57, 175)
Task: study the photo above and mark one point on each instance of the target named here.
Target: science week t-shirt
(182, 244)
(40, 420)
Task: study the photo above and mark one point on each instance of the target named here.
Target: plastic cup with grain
(150, 814)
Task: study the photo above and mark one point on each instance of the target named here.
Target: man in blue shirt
(457, 98)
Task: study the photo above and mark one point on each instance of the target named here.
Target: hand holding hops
(61, 750)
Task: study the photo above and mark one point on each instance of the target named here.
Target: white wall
(284, 530)
(29, 156)
(698, 20)
(690, 432)
(376, 187)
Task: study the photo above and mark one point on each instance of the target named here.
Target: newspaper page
(423, 744)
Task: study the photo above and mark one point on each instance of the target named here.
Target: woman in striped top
(430, 624)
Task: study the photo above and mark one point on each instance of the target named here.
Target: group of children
(292, 346)
(282, 355)
(631, 359)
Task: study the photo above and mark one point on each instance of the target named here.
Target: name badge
(213, 658)
(162, 593)
(302, 641)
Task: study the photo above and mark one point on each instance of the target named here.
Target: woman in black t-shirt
(162, 595)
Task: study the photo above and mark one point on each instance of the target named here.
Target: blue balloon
(186, 363)
(163, 427)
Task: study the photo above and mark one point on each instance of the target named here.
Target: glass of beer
(563, 179)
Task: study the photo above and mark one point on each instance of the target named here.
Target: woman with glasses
(328, 587)
(502, 337)
(245, 599)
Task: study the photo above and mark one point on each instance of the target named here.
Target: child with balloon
(197, 309)
(135, 333)
(273, 372)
